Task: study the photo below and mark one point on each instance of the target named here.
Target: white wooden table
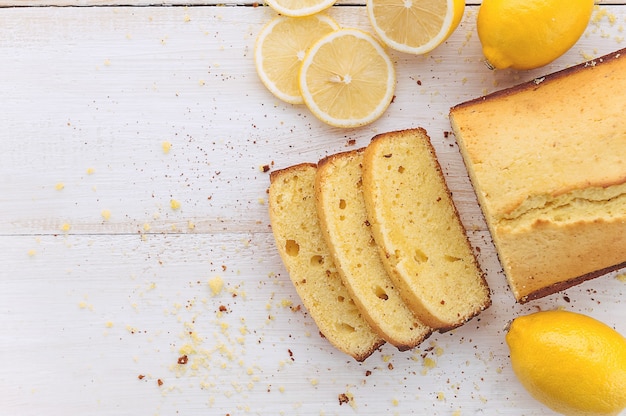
(104, 287)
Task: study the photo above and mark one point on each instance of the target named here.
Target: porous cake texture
(308, 261)
(418, 231)
(547, 160)
(346, 228)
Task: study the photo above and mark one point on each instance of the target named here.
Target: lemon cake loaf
(421, 238)
(547, 160)
(341, 210)
(306, 256)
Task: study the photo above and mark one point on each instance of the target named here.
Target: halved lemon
(415, 26)
(347, 79)
(299, 8)
(280, 48)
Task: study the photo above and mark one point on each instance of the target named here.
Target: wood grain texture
(103, 282)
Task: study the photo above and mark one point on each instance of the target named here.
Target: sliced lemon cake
(548, 163)
(417, 228)
(341, 209)
(306, 256)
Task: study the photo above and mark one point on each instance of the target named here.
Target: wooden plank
(91, 323)
(187, 3)
(91, 94)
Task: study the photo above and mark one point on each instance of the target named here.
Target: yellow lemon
(347, 79)
(572, 363)
(299, 8)
(527, 34)
(280, 48)
(415, 26)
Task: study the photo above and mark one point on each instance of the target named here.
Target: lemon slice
(347, 78)
(280, 48)
(415, 26)
(299, 8)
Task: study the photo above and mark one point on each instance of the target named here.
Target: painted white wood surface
(89, 303)
(90, 3)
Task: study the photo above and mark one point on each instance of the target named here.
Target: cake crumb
(31, 252)
(59, 186)
(343, 398)
(106, 214)
(428, 364)
(216, 284)
(621, 277)
(65, 227)
(90, 171)
(166, 146)
(174, 204)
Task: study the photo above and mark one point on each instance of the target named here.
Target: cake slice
(306, 256)
(547, 160)
(341, 210)
(417, 228)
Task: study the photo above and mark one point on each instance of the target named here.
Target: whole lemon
(527, 34)
(572, 363)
